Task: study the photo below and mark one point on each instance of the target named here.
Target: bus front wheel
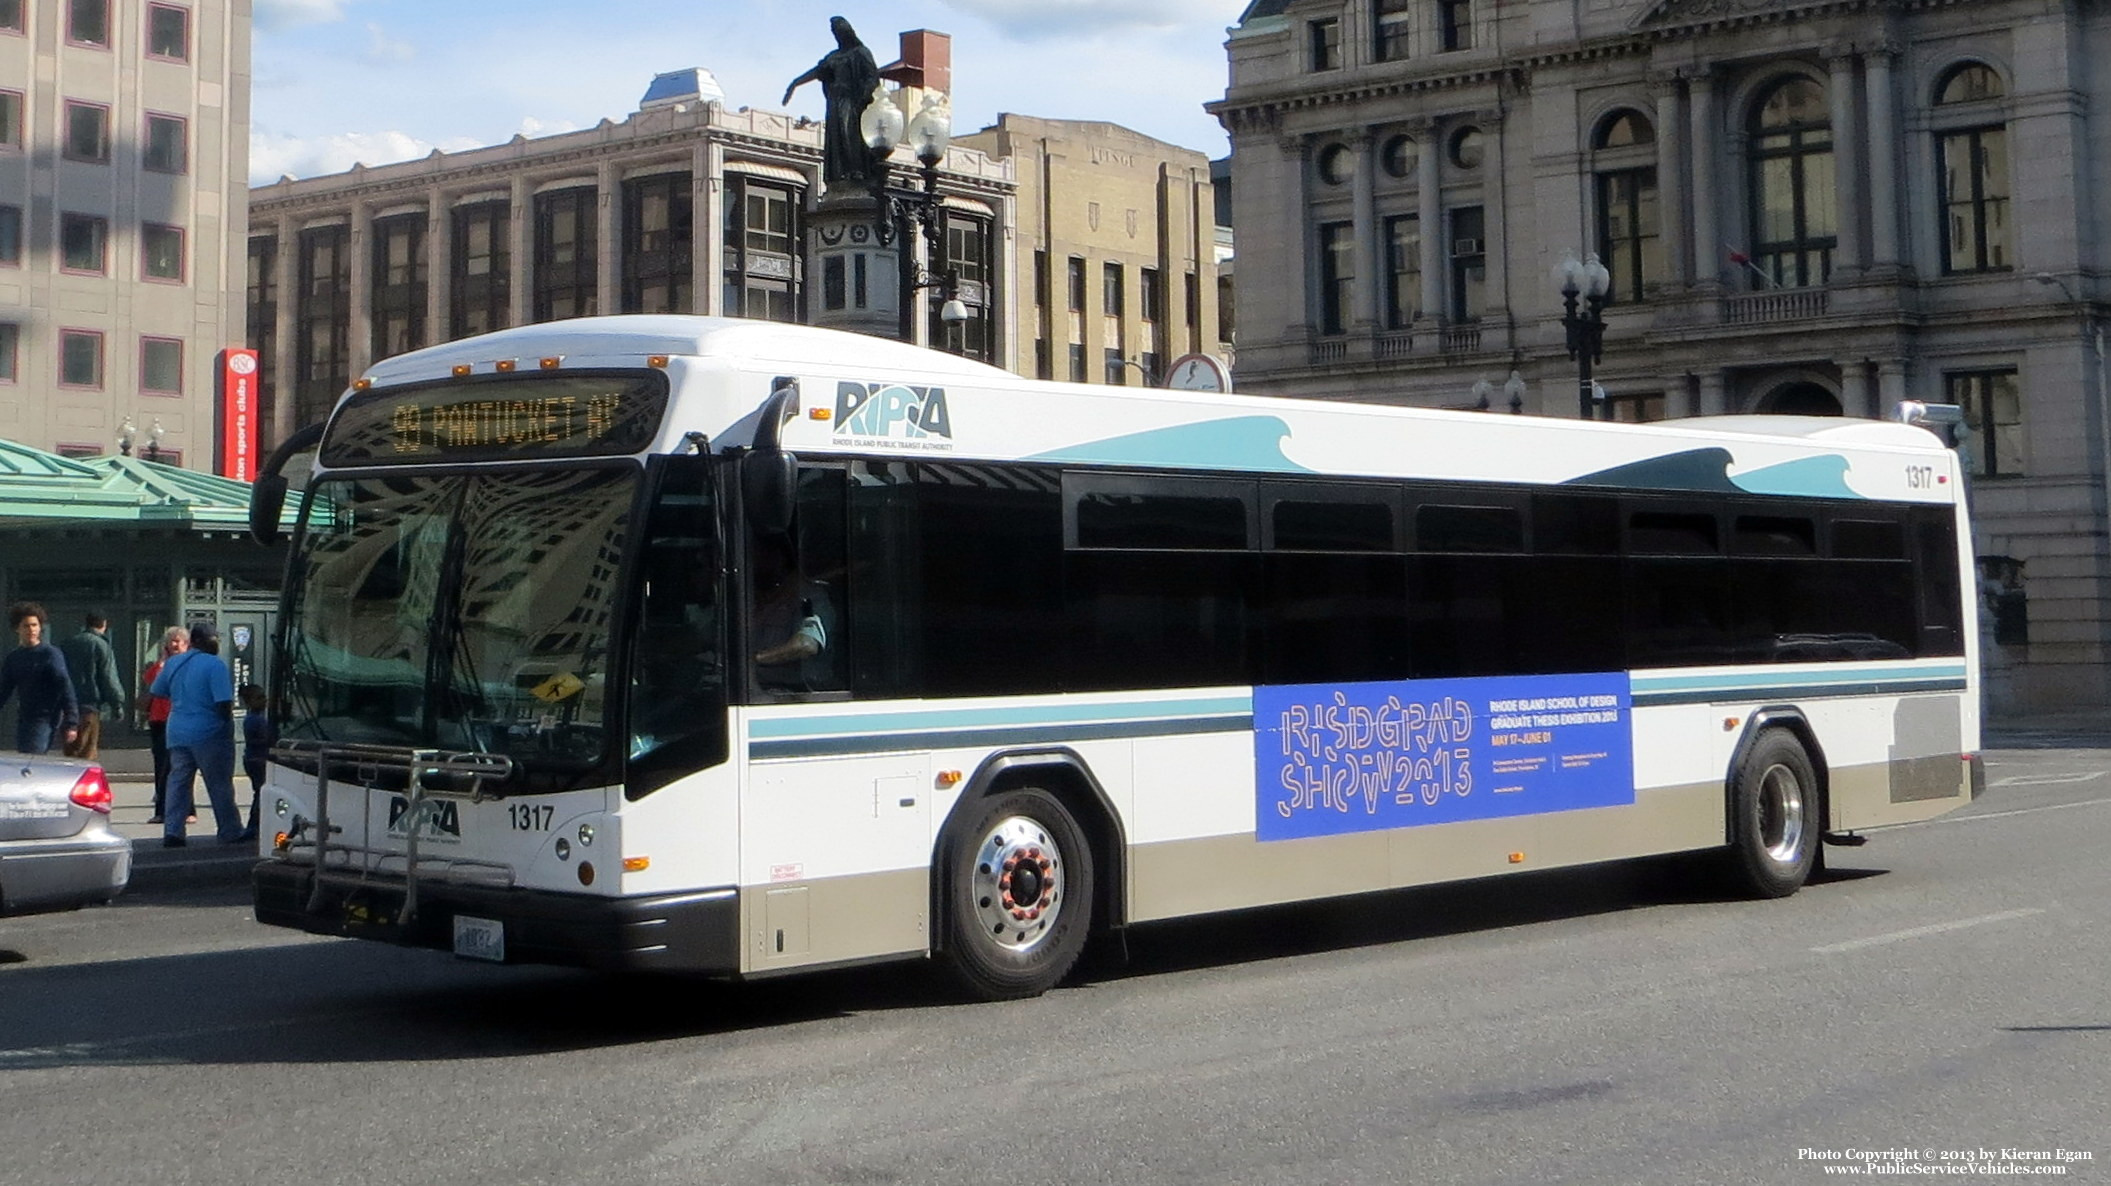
(1775, 817)
(1018, 900)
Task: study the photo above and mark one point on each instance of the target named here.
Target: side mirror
(267, 501)
(769, 481)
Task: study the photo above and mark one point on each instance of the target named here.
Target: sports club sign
(238, 414)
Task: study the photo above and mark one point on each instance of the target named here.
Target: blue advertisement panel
(1334, 758)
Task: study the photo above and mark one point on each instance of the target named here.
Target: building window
(80, 358)
(567, 254)
(11, 120)
(1626, 205)
(1468, 148)
(161, 366)
(161, 252)
(88, 22)
(1403, 270)
(1469, 263)
(10, 236)
(764, 264)
(1336, 164)
(168, 33)
(1389, 36)
(1325, 39)
(87, 133)
(10, 346)
(1454, 25)
(83, 243)
(1794, 221)
(1337, 276)
(1640, 408)
(1112, 301)
(1117, 370)
(968, 259)
(1077, 362)
(1400, 156)
(481, 272)
(168, 144)
(322, 355)
(263, 314)
(659, 256)
(1992, 402)
(11, 16)
(399, 283)
(1077, 285)
(1972, 168)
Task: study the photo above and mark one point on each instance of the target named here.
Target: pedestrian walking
(96, 687)
(174, 641)
(201, 696)
(35, 674)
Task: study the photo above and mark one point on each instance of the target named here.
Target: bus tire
(1018, 895)
(1775, 818)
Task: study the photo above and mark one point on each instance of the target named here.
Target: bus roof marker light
(361, 384)
(461, 369)
(551, 364)
(657, 361)
(506, 365)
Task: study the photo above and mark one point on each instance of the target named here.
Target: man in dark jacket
(96, 687)
(37, 671)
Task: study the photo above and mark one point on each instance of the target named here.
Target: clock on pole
(1198, 372)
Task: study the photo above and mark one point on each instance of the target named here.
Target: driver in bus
(791, 616)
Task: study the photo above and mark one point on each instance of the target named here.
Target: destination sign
(535, 415)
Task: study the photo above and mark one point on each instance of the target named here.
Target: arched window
(1972, 170)
(1795, 220)
(1624, 177)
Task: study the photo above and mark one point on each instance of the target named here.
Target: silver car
(57, 851)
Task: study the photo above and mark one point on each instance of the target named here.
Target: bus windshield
(464, 611)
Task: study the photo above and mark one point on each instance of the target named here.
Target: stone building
(1814, 206)
(1116, 250)
(686, 206)
(124, 153)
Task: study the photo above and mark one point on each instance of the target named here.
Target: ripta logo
(437, 819)
(891, 410)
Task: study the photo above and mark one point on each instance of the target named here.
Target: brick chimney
(926, 62)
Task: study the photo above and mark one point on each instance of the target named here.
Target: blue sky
(374, 81)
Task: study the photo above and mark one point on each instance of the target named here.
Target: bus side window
(797, 636)
(678, 670)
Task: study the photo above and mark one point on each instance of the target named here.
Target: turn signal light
(947, 778)
(92, 791)
(586, 873)
(1730, 724)
(636, 864)
(1517, 858)
(281, 842)
(820, 413)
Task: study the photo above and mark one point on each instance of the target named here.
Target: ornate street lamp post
(903, 211)
(1586, 329)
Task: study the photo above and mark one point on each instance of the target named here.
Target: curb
(156, 868)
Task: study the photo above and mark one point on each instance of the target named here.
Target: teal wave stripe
(1242, 443)
(1808, 477)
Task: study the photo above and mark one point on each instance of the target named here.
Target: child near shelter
(258, 736)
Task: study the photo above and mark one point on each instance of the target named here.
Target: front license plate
(479, 938)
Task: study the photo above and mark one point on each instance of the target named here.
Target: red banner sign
(238, 414)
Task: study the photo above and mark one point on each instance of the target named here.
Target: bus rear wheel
(1018, 898)
(1775, 818)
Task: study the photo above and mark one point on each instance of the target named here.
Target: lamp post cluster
(1586, 282)
(128, 435)
(906, 210)
(1513, 394)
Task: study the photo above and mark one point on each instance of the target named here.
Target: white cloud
(533, 128)
(1093, 19)
(380, 47)
(272, 156)
(273, 15)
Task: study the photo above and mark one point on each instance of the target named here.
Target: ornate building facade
(1805, 206)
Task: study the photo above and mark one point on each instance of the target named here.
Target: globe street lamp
(1586, 330)
(906, 210)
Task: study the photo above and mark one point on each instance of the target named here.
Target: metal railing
(1784, 304)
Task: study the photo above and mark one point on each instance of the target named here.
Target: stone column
(439, 266)
(1700, 143)
(1296, 157)
(1495, 219)
(1711, 392)
(1672, 182)
(520, 270)
(359, 321)
(1890, 386)
(1883, 160)
(285, 409)
(1847, 164)
(1854, 389)
(1369, 246)
(1429, 218)
(608, 245)
(711, 236)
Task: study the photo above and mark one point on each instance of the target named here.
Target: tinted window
(1157, 619)
(991, 580)
(1671, 533)
(1333, 526)
(1469, 529)
(1774, 535)
(1867, 539)
(1575, 524)
(1161, 513)
(1335, 618)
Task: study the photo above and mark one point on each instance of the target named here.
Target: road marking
(2047, 780)
(1973, 819)
(1921, 932)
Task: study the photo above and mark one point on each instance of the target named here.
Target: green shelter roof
(43, 489)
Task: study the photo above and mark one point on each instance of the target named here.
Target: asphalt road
(1940, 991)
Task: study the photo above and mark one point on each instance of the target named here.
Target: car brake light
(92, 791)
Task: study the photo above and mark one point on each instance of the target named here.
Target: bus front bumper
(696, 931)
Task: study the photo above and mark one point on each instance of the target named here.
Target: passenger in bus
(792, 616)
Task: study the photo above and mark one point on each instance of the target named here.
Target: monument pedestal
(861, 282)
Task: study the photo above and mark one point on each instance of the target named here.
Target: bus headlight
(586, 835)
(564, 849)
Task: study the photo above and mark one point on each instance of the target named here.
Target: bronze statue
(848, 76)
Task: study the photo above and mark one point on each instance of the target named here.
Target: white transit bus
(739, 648)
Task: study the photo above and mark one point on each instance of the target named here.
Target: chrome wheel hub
(1017, 883)
(1781, 815)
